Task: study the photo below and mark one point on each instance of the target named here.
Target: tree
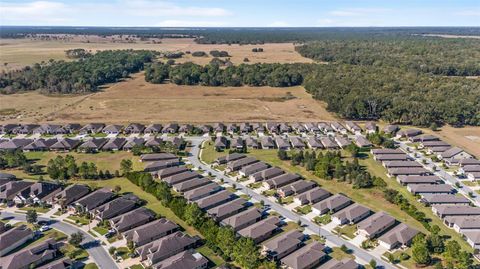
(130, 246)
(31, 216)
(282, 154)
(117, 188)
(452, 251)
(126, 166)
(420, 253)
(373, 263)
(76, 239)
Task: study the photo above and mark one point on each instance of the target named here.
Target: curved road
(98, 254)
(334, 239)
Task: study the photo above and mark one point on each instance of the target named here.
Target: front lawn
(100, 230)
(255, 185)
(80, 220)
(347, 230)
(324, 219)
(39, 209)
(304, 209)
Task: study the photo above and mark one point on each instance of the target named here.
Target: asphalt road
(97, 253)
(332, 238)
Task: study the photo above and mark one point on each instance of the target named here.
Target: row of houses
(137, 128)
(88, 145)
(289, 142)
(455, 210)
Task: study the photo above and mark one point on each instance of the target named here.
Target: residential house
(473, 239)
(331, 204)
(92, 145)
(229, 158)
(25, 129)
(400, 236)
(132, 219)
(362, 142)
(282, 245)
(228, 209)
(159, 165)
(455, 210)
(266, 174)
(284, 128)
(342, 142)
(153, 129)
(468, 161)
(299, 128)
(170, 128)
(391, 157)
(339, 128)
(65, 144)
(312, 196)
(409, 171)
(63, 263)
(221, 143)
(376, 224)
(214, 200)
(70, 194)
(261, 230)
(444, 199)
(238, 164)
(267, 142)
(408, 133)
(297, 142)
(346, 263)
(249, 170)
(186, 259)
(176, 142)
(91, 128)
(153, 141)
(185, 128)
(190, 184)
(232, 128)
(113, 208)
(423, 138)
(252, 143)
(463, 223)
(282, 143)
(242, 219)
(280, 181)
(390, 129)
(180, 177)
(328, 142)
(93, 200)
(37, 192)
(237, 143)
(8, 128)
(371, 127)
(312, 128)
(133, 142)
(201, 192)
(307, 257)
(14, 144)
(32, 256)
(218, 128)
(114, 144)
(152, 157)
(112, 129)
(326, 128)
(353, 127)
(69, 128)
(151, 231)
(401, 164)
(313, 143)
(245, 128)
(14, 238)
(9, 190)
(272, 127)
(297, 187)
(46, 129)
(134, 128)
(351, 214)
(423, 189)
(376, 152)
(40, 144)
(454, 155)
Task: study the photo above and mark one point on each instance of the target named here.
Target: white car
(44, 228)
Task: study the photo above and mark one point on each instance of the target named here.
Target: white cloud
(39, 11)
(279, 24)
(163, 8)
(181, 23)
(359, 11)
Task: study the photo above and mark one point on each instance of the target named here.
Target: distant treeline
(274, 75)
(395, 95)
(439, 56)
(81, 76)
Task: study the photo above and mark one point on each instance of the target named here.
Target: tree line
(81, 76)
(274, 75)
(222, 240)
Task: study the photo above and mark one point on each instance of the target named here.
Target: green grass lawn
(209, 154)
(347, 230)
(136, 266)
(100, 230)
(75, 253)
(269, 192)
(255, 185)
(325, 219)
(90, 266)
(286, 200)
(123, 252)
(207, 252)
(37, 208)
(339, 254)
(304, 209)
(470, 183)
(79, 220)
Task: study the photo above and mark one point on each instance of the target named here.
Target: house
(328, 142)
(180, 177)
(93, 200)
(466, 169)
(258, 128)
(453, 155)
(266, 174)
(312, 128)
(132, 219)
(237, 143)
(176, 142)
(151, 231)
(32, 256)
(261, 230)
(63, 263)
(297, 142)
(14, 144)
(437, 150)
(409, 171)
(38, 192)
(245, 128)
(133, 142)
(280, 181)
(114, 144)
(423, 189)
(434, 144)
(299, 128)
(351, 214)
(8, 128)
(362, 142)
(295, 188)
(219, 128)
(284, 128)
(134, 128)
(282, 245)
(40, 144)
(267, 142)
(325, 128)
(190, 184)
(44, 129)
(70, 194)
(91, 128)
(406, 180)
(391, 157)
(473, 176)
(444, 199)
(242, 219)
(185, 128)
(165, 247)
(112, 129)
(25, 129)
(339, 128)
(232, 128)
(9, 190)
(153, 142)
(170, 171)
(252, 143)
(353, 127)
(113, 208)
(401, 164)
(312, 196)
(342, 141)
(400, 236)
(282, 143)
(14, 238)
(313, 143)
(214, 200)
(371, 127)
(92, 145)
(221, 143)
(69, 128)
(186, 259)
(376, 224)
(159, 165)
(346, 263)
(249, 170)
(6, 176)
(272, 127)
(307, 257)
(170, 128)
(390, 129)
(331, 204)
(158, 157)
(455, 210)
(463, 223)
(408, 133)
(468, 161)
(238, 164)
(473, 239)
(153, 129)
(229, 158)
(423, 138)
(376, 152)
(65, 144)
(227, 209)
(201, 192)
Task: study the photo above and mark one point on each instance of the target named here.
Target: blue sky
(241, 13)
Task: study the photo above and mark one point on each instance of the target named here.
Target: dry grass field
(467, 138)
(17, 53)
(135, 100)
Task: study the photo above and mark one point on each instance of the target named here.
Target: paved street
(331, 238)
(95, 250)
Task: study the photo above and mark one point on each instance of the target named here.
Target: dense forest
(81, 76)
(439, 56)
(274, 75)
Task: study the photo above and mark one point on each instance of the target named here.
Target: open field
(21, 52)
(140, 101)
